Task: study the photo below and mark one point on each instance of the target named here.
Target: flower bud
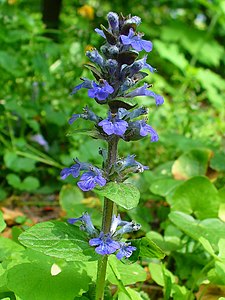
(113, 20)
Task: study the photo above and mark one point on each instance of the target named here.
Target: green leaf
(218, 162)
(147, 248)
(164, 186)
(69, 197)
(123, 194)
(8, 248)
(132, 295)
(9, 63)
(192, 163)
(30, 183)
(171, 52)
(159, 273)
(196, 229)
(37, 281)
(126, 273)
(196, 195)
(89, 132)
(60, 240)
(17, 164)
(3, 194)
(2, 222)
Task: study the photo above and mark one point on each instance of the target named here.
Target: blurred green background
(41, 60)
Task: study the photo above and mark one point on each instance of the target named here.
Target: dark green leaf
(60, 240)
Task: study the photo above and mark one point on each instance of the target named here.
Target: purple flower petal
(113, 125)
(101, 91)
(100, 32)
(89, 180)
(125, 251)
(143, 91)
(136, 41)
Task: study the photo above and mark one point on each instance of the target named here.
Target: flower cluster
(117, 68)
(88, 180)
(110, 242)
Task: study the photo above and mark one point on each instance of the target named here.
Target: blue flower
(86, 224)
(106, 245)
(136, 41)
(127, 227)
(125, 250)
(145, 129)
(131, 163)
(86, 115)
(113, 125)
(143, 91)
(100, 32)
(90, 179)
(95, 57)
(101, 91)
(113, 20)
(135, 19)
(74, 171)
(111, 65)
(87, 84)
(116, 221)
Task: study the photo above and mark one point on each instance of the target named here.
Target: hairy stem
(106, 220)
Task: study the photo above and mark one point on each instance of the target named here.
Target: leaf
(164, 186)
(35, 281)
(17, 163)
(159, 273)
(2, 222)
(28, 184)
(89, 132)
(171, 52)
(60, 240)
(111, 39)
(8, 248)
(126, 273)
(192, 163)
(196, 195)
(214, 86)
(9, 63)
(94, 71)
(132, 295)
(147, 248)
(218, 162)
(196, 229)
(123, 194)
(69, 197)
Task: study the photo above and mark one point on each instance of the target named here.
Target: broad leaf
(192, 163)
(211, 229)
(196, 195)
(164, 186)
(132, 295)
(60, 240)
(123, 194)
(38, 281)
(147, 248)
(126, 273)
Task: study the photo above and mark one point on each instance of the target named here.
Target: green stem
(106, 220)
